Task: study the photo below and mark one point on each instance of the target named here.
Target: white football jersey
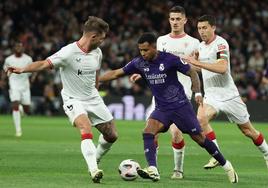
(220, 87)
(182, 45)
(18, 81)
(78, 71)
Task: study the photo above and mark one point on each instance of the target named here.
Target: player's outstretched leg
(150, 172)
(205, 113)
(106, 139)
(214, 152)
(96, 175)
(178, 147)
(102, 148)
(261, 144)
(89, 153)
(16, 118)
(232, 175)
(257, 138)
(212, 163)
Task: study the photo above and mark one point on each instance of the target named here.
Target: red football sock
(86, 136)
(259, 140)
(179, 145)
(211, 135)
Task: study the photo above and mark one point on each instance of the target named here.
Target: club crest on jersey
(161, 67)
(78, 59)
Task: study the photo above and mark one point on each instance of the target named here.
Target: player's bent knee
(15, 106)
(111, 138)
(149, 130)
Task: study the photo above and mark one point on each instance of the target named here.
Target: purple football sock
(214, 151)
(149, 149)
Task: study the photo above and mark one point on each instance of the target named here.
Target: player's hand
(195, 54)
(134, 77)
(199, 100)
(191, 60)
(14, 70)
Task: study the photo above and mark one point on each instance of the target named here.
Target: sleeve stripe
(225, 55)
(220, 59)
(50, 64)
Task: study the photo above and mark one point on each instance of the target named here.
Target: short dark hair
(177, 9)
(95, 24)
(147, 37)
(208, 18)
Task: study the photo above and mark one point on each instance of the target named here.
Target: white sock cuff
(263, 144)
(263, 148)
(227, 166)
(178, 150)
(103, 142)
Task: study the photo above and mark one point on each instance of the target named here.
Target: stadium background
(45, 26)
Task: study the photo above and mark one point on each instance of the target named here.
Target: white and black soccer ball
(128, 169)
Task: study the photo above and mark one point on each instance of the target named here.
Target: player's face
(177, 22)
(147, 51)
(18, 49)
(206, 31)
(97, 39)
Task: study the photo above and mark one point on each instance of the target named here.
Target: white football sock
(16, 120)
(264, 148)
(178, 158)
(102, 148)
(227, 166)
(89, 152)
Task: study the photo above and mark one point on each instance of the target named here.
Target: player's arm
(220, 66)
(265, 80)
(195, 85)
(33, 67)
(97, 79)
(195, 54)
(197, 69)
(112, 75)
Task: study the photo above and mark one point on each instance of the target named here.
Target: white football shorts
(23, 96)
(235, 109)
(97, 111)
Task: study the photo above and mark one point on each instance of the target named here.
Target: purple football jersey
(161, 76)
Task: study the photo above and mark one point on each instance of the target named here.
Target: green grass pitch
(48, 155)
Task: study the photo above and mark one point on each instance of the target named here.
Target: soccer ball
(128, 169)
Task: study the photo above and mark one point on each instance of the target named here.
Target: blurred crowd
(45, 26)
